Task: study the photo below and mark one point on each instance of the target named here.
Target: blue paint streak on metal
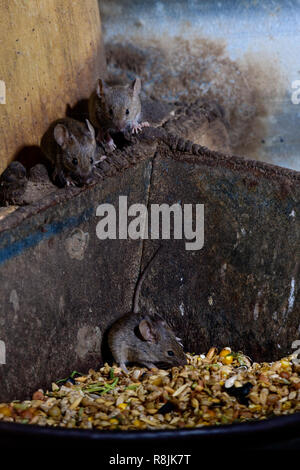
(18, 247)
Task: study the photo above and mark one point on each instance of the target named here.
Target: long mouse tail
(140, 282)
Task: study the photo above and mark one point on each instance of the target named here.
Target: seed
(284, 375)
(230, 382)
(287, 405)
(263, 378)
(39, 395)
(224, 352)
(28, 414)
(272, 398)
(137, 423)
(122, 406)
(195, 403)
(210, 353)
(157, 381)
(114, 421)
(54, 412)
(75, 403)
(169, 390)
(227, 359)
(263, 396)
(5, 410)
(180, 390)
(167, 408)
(285, 364)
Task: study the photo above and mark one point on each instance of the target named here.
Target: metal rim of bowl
(251, 429)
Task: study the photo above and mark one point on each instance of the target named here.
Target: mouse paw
(124, 368)
(145, 124)
(103, 157)
(111, 145)
(136, 128)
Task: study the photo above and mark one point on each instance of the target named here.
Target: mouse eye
(127, 111)
(111, 112)
(75, 161)
(170, 353)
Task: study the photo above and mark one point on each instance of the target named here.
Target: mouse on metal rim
(116, 108)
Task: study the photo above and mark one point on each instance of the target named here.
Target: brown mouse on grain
(70, 145)
(115, 109)
(144, 338)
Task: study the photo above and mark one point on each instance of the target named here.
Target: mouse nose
(183, 361)
(120, 126)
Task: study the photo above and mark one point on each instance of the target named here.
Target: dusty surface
(180, 71)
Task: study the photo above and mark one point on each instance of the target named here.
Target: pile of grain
(212, 389)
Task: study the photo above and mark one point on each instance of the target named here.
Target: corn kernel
(227, 359)
(5, 410)
(285, 364)
(225, 352)
(254, 407)
(122, 406)
(114, 421)
(137, 423)
(286, 405)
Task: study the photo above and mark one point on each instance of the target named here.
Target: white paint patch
(292, 214)
(61, 305)
(256, 311)
(278, 346)
(291, 296)
(223, 270)
(77, 244)
(14, 300)
(2, 352)
(88, 341)
(181, 308)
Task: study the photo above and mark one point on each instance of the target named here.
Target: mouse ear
(147, 331)
(90, 128)
(61, 134)
(100, 88)
(136, 86)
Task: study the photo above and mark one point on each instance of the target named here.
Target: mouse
(13, 184)
(144, 338)
(70, 145)
(116, 108)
